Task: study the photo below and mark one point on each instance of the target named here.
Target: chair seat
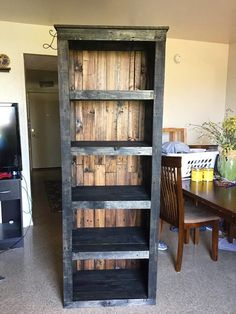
(195, 214)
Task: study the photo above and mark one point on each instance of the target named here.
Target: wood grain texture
(94, 74)
(107, 120)
(114, 93)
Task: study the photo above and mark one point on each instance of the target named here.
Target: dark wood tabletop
(222, 200)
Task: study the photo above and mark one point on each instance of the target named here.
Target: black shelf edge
(111, 95)
(111, 148)
(115, 284)
(110, 243)
(106, 302)
(122, 196)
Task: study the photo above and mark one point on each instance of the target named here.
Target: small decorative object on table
(223, 134)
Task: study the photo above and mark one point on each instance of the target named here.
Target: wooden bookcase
(111, 93)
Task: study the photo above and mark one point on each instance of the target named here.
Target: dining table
(220, 199)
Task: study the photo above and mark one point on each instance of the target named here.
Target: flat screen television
(10, 149)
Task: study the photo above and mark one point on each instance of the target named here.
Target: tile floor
(33, 274)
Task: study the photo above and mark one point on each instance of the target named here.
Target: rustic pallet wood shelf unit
(111, 104)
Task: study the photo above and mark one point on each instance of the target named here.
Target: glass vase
(226, 165)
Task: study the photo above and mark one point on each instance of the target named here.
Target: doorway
(43, 111)
(44, 129)
(41, 77)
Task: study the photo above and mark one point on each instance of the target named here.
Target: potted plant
(224, 135)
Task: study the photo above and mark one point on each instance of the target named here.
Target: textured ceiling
(204, 20)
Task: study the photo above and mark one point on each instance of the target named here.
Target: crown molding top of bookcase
(119, 33)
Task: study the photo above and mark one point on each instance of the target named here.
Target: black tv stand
(11, 230)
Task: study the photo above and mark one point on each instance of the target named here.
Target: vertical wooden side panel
(67, 216)
(156, 165)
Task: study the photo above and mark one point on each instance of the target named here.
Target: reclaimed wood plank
(156, 165)
(78, 120)
(63, 61)
(89, 213)
(107, 34)
(78, 70)
(112, 151)
(99, 213)
(111, 95)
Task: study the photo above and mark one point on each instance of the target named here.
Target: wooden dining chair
(184, 216)
(175, 134)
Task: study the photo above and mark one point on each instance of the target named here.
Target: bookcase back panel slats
(108, 70)
(110, 120)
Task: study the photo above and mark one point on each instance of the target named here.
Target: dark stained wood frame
(145, 287)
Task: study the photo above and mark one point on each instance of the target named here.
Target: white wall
(17, 39)
(195, 88)
(231, 81)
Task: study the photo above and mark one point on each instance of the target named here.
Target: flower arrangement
(222, 134)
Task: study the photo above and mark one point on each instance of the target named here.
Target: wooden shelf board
(121, 196)
(94, 285)
(111, 148)
(110, 243)
(111, 95)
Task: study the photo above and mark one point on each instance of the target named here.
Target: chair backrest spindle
(172, 208)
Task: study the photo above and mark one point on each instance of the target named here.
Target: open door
(44, 129)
